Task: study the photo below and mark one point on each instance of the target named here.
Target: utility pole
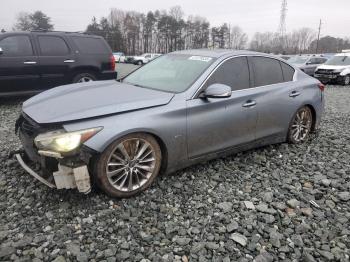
(282, 26)
(318, 37)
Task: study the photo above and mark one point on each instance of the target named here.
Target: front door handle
(249, 103)
(29, 62)
(69, 61)
(294, 94)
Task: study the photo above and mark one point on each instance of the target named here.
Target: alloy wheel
(301, 125)
(347, 80)
(131, 164)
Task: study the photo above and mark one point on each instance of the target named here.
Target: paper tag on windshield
(200, 58)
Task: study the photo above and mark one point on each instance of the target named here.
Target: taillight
(321, 86)
(112, 62)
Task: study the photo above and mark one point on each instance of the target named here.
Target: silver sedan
(180, 109)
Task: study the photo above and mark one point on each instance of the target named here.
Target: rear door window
(19, 45)
(233, 73)
(267, 71)
(52, 46)
(288, 72)
(91, 45)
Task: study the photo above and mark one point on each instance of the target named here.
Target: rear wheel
(84, 77)
(129, 165)
(301, 125)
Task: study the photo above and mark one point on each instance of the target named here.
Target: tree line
(164, 31)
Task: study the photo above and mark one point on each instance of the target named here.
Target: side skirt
(270, 140)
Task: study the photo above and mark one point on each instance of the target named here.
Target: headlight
(62, 141)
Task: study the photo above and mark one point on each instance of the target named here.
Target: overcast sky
(251, 15)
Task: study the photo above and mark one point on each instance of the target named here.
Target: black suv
(31, 62)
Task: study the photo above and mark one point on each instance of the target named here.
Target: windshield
(339, 60)
(298, 59)
(170, 73)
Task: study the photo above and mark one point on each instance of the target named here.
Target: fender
(345, 72)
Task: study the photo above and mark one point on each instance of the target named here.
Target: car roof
(216, 53)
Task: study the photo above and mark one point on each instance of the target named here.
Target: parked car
(31, 62)
(144, 59)
(184, 107)
(335, 70)
(285, 57)
(307, 64)
(119, 57)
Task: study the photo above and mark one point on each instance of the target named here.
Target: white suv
(145, 58)
(335, 70)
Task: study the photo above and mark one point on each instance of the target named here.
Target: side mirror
(217, 91)
(1, 51)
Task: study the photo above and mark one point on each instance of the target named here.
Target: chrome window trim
(195, 95)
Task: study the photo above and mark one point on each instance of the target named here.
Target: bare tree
(238, 39)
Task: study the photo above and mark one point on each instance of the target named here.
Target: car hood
(334, 67)
(92, 99)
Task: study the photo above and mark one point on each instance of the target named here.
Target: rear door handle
(69, 61)
(294, 94)
(29, 62)
(249, 103)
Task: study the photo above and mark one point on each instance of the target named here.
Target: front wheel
(346, 80)
(139, 62)
(301, 125)
(129, 165)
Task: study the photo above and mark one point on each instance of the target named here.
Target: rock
(290, 212)
(307, 257)
(267, 197)
(307, 185)
(326, 254)
(212, 245)
(307, 211)
(232, 226)
(123, 255)
(264, 257)
(73, 248)
(326, 182)
(225, 206)
(293, 203)
(196, 247)
(265, 209)
(183, 241)
(344, 196)
(59, 259)
(297, 240)
(240, 239)
(6, 251)
(275, 238)
(48, 228)
(249, 205)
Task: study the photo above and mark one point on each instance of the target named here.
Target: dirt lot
(280, 202)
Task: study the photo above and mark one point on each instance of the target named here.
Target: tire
(301, 126)
(139, 63)
(346, 80)
(131, 163)
(84, 77)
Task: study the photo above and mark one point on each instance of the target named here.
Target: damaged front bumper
(65, 178)
(56, 171)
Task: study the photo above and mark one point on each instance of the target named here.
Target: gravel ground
(279, 202)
